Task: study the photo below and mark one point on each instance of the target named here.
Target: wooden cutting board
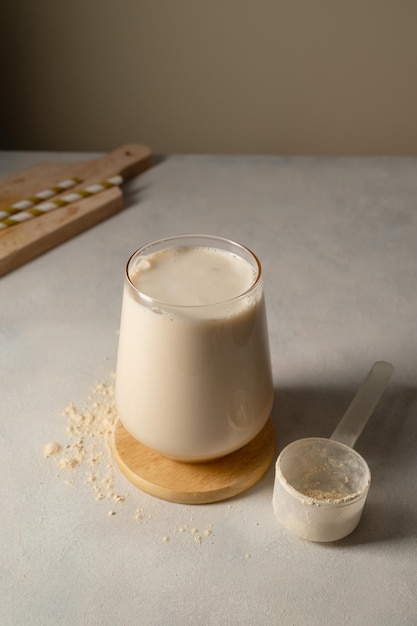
(25, 241)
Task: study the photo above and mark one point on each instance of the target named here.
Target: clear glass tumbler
(193, 378)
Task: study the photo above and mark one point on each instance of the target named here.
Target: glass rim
(215, 238)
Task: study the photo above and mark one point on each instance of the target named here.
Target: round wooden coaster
(194, 483)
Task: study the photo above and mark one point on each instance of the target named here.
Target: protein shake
(193, 372)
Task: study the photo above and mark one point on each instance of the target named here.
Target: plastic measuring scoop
(321, 484)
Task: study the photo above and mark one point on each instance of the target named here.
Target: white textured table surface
(338, 241)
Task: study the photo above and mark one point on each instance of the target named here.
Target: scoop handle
(360, 409)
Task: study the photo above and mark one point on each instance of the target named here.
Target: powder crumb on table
(197, 538)
(51, 449)
(68, 463)
(139, 515)
(165, 539)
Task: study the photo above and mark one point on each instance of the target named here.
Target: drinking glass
(194, 381)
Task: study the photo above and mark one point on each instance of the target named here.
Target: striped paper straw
(45, 207)
(39, 197)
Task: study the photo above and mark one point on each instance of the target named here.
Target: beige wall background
(335, 77)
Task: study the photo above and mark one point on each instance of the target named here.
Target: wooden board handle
(128, 161)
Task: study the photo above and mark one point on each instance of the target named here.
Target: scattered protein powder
(86, 458)
(87, 455)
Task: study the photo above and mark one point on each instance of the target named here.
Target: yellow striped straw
(39, 197)
(22, 214)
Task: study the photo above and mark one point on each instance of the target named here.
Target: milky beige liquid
(193, 373)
